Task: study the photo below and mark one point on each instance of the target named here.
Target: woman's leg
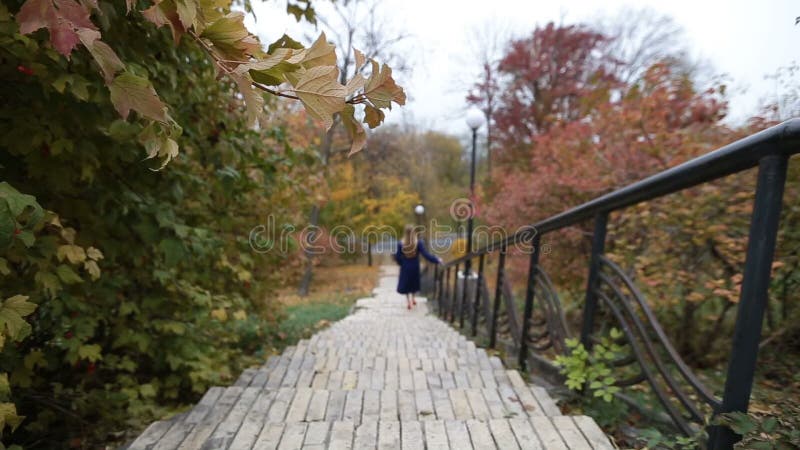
(408, 300)
(413, 299)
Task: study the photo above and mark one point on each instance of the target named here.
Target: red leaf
(62, 18)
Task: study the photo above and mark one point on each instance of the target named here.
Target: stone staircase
(386, 378)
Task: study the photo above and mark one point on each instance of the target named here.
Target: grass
(334, 290)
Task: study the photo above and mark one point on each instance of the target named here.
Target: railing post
(477, 304)
(435, 293)
(445, 294)
(590, 304)
(454, 295)
(526, 316)
(462, 306)
(498, 292)
(754, 295)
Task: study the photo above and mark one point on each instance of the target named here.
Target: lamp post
(474, 119)
(419, 210)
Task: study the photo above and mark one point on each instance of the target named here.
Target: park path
(384, 378)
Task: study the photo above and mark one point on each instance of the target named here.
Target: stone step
(540, 432)
(383, 377)
(400, 379)
(307, 404)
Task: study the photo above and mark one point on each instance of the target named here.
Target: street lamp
(474, 119)
(419, 210)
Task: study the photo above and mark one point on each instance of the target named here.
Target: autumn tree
(127, 292)
(358, 25)
(555, 75)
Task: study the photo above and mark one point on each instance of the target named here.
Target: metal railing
(610, 290)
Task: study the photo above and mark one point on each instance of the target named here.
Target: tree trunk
(305, 282)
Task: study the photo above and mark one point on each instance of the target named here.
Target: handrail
(781, 139)
(769, 150)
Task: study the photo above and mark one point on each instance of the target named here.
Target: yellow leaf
(381, 88)
(68, 234)
(272, 60)
(253, 99)
(321, 53)
(354, 129)
(244, 275)
(357, 82)
(94, 253)
(321, 93)
(93, 269)
(240, 315)
(73, 253)
(132, 92)
(219, 314)
(360, 58)
(8, 416)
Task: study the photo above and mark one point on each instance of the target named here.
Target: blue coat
(409, 268)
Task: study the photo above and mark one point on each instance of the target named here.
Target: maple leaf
(105, 57)
(62, 18)
(187, 12)
(166, 13)
(71, 252)
(131, 92)
(373, 116)
(321, 53)
(270, 70)
(381, 88)
(355, 131)
(230, 39)
(253, 99)
(357, 82)
(360, 59)
(12, 313)
(321, 93)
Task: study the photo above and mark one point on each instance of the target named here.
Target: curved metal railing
(610, 292)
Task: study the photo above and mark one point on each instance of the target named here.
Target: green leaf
(740, 423)
(147, 390)
(12, 313)
(67, 275)
(230, 39)
(5, 388)
(131, 92)
(173, 251)
(284, 42)
(49, 282)
(12, 205)
(20, 305)
(90, 352)
(9, 417)
(768, 425)
(27, 238)
(35, 359)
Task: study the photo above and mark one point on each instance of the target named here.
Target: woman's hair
(409, 241)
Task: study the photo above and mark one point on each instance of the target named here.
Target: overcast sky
(744, 39)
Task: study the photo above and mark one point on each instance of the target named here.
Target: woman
(407, 255)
